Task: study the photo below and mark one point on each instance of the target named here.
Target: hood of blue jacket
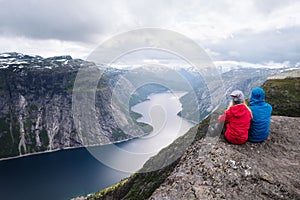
(257, 96)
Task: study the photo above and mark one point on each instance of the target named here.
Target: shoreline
(65, 148)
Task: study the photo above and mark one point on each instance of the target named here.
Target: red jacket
(237, 119)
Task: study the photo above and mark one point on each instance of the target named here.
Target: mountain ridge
(36, 100)
(36, 104)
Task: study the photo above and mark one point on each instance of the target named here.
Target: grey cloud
(80, 20)
(54, 19)
(277, 45)
(77, 20)
(84, 21)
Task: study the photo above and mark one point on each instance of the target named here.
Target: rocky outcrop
(268, 170)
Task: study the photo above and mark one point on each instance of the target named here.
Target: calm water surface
(69, 173)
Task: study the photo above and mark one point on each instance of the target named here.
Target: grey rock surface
(267, 170)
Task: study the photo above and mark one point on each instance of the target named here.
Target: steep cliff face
(36, 104)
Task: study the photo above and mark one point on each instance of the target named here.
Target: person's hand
(221, 118)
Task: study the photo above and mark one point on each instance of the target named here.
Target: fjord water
(74, 172)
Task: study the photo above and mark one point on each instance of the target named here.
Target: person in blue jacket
(261, 111)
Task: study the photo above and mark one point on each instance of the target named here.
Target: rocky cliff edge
(267, 170)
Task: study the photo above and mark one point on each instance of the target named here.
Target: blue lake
(69, 173)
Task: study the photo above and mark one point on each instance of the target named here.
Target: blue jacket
(261, 112)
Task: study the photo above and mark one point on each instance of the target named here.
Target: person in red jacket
(237, 119)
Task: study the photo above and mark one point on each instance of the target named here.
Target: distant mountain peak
(63, 57)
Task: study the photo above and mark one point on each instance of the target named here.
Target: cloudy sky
(249, 31)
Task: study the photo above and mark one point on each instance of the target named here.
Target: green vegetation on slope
(9, 146)
(136, 187)
(284, 96)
